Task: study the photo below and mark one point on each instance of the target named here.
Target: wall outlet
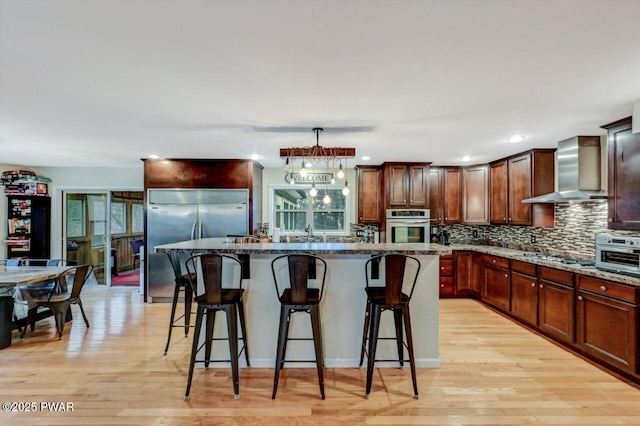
(533, 239)
(475, 233)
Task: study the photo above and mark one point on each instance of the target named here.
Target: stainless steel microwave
(619, 254)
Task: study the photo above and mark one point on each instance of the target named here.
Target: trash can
(6, 320)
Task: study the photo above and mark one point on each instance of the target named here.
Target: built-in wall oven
(407, 226)
(619, 254)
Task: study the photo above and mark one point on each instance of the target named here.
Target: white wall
(72, 178)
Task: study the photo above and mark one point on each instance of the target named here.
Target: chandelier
(312, 158)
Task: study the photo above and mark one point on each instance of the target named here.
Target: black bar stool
(389, 297)
(213, 298)
(299, 297)
(182, 285)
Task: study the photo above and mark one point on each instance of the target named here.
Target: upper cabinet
(475, 195)
(406, 185)
(369, 194)
(624, 175)
(526, 175)
(445, 195)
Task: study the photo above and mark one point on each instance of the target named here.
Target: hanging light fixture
(326, 198)
(313, 191)
(311, 156)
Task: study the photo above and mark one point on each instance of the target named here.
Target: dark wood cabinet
(452, 205)
(205, 173)
(475, 195)
(497, 283)
(528, 174)
(607, 322)
(623, 175)
(447, 275)
(406, 185)
(498, 178)
(469, 274)
(556, 304)
(524, 292)
(369, 194)
(29, 233)
(436, 195)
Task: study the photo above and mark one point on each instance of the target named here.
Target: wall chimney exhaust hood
(578, 172)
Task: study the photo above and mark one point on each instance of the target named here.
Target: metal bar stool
(298, 297)
(182, 284)
(212, 297)
(389, 297)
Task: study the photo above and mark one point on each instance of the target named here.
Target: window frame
(309, 212)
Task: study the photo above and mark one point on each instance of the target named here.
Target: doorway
(98, 229)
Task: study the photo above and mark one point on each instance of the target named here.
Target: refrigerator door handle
(193, 229)
(199, 229)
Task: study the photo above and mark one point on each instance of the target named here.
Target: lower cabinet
(607, 322)
(468, 273)
(447, 277)
(524, 292)
(497, 284)
(556, 304)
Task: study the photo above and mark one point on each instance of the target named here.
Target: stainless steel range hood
(579, 166)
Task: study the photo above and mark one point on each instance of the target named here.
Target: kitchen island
(342, 307)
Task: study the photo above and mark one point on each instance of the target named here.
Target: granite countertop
(519, 255)
(214, 245)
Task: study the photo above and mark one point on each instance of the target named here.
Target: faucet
(309, 231)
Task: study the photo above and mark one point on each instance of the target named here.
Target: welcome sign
(309, 178)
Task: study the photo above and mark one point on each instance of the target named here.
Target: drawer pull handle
(506, 275)
(494, 261)
(533, 284)
(541, 286)
(579, 297)
(603, 288)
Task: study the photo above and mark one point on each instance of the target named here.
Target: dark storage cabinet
(556, 304)
(624, 175)
(29, 221)
(369, 194)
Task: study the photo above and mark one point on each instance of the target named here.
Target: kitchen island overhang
(342, 307)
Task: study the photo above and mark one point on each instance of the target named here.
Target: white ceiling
(105, 83)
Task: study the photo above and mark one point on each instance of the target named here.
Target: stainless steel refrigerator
(186, 214)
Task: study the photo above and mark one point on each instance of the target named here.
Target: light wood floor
(493, 372)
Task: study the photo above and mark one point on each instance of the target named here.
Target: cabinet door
(624, 177)
(498, 177)
(475, 195)
(497, 287)
(524, 297)
(436, 196)
(468, 276)
(519, 183)
(555, 310)
(397, 185)
(608, 330)
(418, 188)
(369, 194)
(452, 195)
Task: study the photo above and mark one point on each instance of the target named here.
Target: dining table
(15, 283)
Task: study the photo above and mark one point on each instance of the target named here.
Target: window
(118, 217)
(293, 209)
(76, 218)
(137, 221)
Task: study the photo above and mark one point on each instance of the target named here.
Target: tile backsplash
(576, 225)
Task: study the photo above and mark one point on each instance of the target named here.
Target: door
(86, 234)
(219, 220)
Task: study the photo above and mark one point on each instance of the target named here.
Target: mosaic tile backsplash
(576, 225)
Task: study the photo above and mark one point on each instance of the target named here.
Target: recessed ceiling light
(366, 158)
(515, 139)
(255, 156)
(154, 156)
(466, 159)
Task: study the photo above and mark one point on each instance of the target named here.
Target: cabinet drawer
(556, 275)
(446, 286)
(500, 262)
(523, 267)
(446, 267)
(607, 288)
